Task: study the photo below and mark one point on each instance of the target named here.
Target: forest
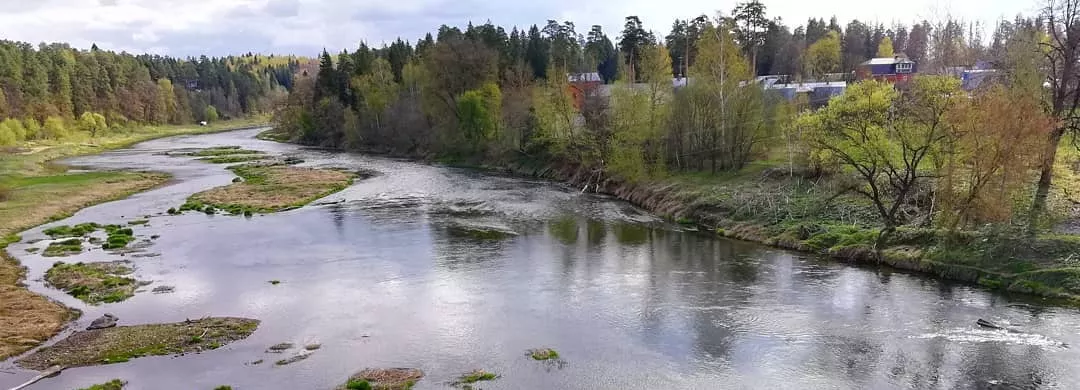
(922, 154)
(56, 92)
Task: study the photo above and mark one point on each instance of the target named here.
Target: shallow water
(375, 274)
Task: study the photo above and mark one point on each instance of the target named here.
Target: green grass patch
(119, 237)
(358, 384)
(267, 188)
(114, 384)
(93, 283)
(65, 231)
(72, 246)
(543, 354)
(475, 376)
(123, 343)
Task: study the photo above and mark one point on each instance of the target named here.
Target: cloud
(220, 27)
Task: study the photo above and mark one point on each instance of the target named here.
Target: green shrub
(358, 384)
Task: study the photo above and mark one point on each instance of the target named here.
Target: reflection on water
(382, 276)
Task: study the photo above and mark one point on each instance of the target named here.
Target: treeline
(929, 154)
(484, 94)
(55, 91)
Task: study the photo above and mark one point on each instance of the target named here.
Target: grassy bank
(34, 191)
(769, 203)
(269, 188)
(773, 207)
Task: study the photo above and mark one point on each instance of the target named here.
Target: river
(629, 301)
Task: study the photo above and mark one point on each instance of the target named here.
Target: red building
(894, 69)
(582, 84)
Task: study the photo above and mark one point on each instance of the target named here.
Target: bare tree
(1062, 64)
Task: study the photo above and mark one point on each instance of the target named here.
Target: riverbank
(34, 191)
(772, 204)
(797, 211)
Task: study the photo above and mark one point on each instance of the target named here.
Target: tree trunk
(1042, 190)
(882, 238)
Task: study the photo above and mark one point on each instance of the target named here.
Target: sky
(304, 27)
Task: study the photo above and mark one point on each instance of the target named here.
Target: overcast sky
(219, 27)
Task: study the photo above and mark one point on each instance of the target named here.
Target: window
(904, 67)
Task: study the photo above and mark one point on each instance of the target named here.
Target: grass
(34, 191)
(475, 376)
(543, 354)
(807, 215)
(358, 384)
(119, 237)
(65, 231)
(114, 384)
(267, 189)
(94, 283)
(123, 343)
(71, 246)
(383, 379)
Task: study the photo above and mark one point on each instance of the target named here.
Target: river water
(374, 274)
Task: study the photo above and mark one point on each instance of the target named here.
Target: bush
(54, 129)
(358, 384)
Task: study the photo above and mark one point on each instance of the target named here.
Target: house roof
(887, 61)
(584, 77)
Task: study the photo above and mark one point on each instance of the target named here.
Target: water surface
(376, 275)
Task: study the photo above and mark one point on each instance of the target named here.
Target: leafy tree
(54, 129)
(480, 110)
(377, 89)
(885, 48)
(93, 123)
(211, 114)
(885, 138)
(33, 128)
(823, 56)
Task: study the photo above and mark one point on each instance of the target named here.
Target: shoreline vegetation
(36, 191)
(268, 188)
(755, 205)
(123, 343)
(914, 167)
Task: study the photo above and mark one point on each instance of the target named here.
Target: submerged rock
(293, 359)
(106, 321)
(386, 378)
(987, 324)
(163, 289)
